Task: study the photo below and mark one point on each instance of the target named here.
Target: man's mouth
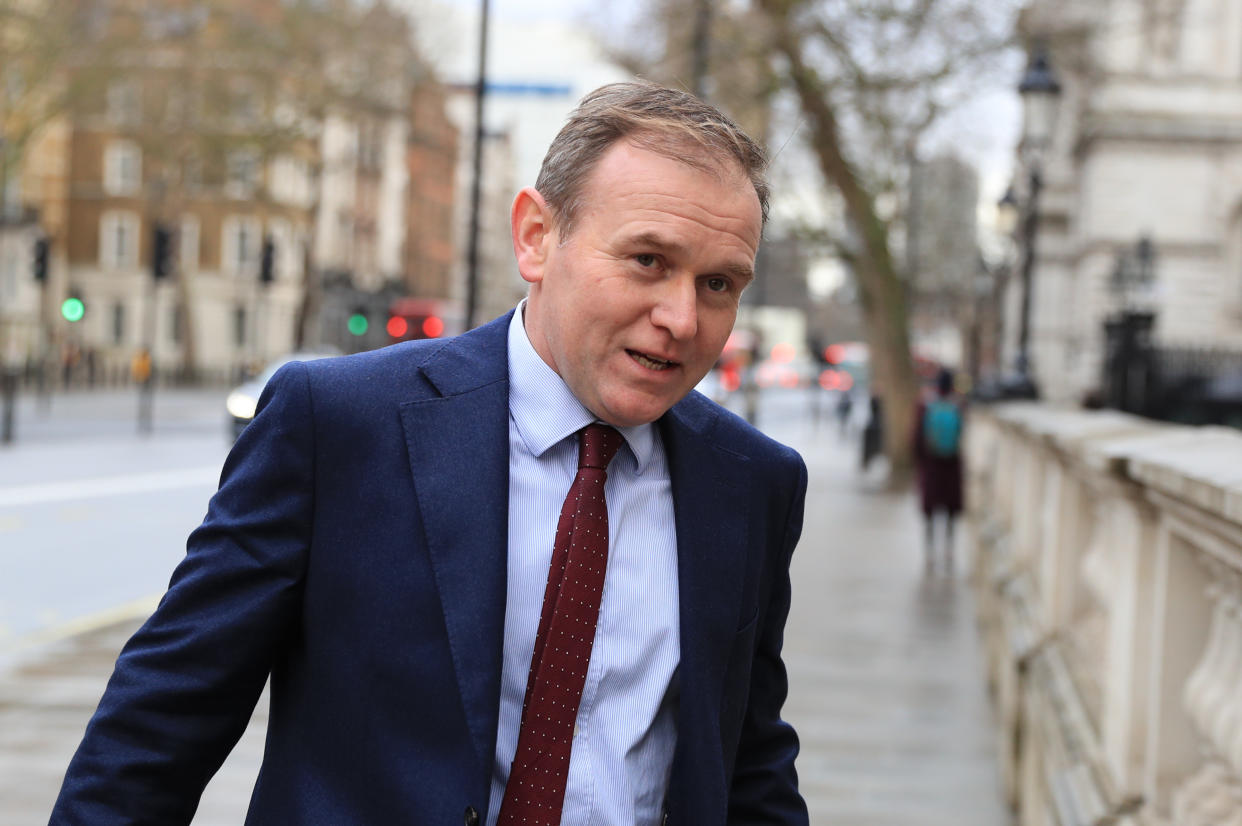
(650, 362)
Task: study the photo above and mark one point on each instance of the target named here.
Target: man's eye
(645, 259)
(718, 284)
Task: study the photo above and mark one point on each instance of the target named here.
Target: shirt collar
(544, 409)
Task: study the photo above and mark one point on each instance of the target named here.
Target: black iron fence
(1189, 385)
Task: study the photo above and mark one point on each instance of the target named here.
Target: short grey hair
(667, 121)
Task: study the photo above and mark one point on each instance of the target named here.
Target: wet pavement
(886, 673)
(886, 670)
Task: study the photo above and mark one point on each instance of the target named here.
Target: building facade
(499, 285)
(1147, 150)
(431, 241)
(278, 165)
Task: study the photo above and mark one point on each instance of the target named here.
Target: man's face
(634, 307)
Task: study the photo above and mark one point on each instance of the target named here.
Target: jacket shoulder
(731, 433)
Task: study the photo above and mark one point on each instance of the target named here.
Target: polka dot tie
(536, 789)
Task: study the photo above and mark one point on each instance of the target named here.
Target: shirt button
(472, 816)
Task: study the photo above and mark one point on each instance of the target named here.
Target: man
(385, 541)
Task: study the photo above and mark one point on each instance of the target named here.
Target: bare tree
(216, 90)
(870, 78)
(39, 46)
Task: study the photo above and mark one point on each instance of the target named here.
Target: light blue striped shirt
(626, 729)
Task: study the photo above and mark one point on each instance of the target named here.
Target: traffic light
(398, 327)
(161, 252)
(358, 322)
(40, 260)
(267, 261)
(412, 318)
(432, 326)
(73, 308)
(409, 327)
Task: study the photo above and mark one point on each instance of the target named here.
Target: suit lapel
(457, 440)
(458, 443)
(711, 518)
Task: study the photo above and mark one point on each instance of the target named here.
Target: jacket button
(472, 816)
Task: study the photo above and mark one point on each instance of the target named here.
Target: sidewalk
(887, 684)
(885, 666)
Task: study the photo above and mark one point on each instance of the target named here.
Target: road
(93, 515)
(886, 677)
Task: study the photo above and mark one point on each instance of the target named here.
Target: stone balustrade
(1107, 556)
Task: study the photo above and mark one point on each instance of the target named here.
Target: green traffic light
(357, 324)
(72, 309)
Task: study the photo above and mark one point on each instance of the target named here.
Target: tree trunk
(883, 298)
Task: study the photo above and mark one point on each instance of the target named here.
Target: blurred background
(1043, 196)
(1036, 195)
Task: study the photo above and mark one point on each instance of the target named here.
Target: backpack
(942, 428)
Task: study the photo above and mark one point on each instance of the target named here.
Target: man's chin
(635, 412)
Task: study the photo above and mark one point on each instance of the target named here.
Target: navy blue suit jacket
(355, 551)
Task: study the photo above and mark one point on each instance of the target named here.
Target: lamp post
(1040, 93)
(476, 181)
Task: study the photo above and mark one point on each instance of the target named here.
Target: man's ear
(533, 233)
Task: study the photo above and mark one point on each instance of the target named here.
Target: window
(240, 244)
(124, 102)
(8, 273)
(10, 195)
(242, 173)
(239, 326)
(177, 108)
(281, 233)
(289, 181)
(174, 323)
(368, 146)
(118, 240)
(192, 173)
(118, 323)
(244, 103)
(122, 168)
(187, 243)
(14, 83)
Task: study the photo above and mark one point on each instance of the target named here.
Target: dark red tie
(535, 792)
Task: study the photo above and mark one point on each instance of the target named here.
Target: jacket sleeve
(765, 783)
(185, 685)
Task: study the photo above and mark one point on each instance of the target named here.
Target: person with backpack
(937, 453)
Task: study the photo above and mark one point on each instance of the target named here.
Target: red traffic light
(414, 318)
(398, 327)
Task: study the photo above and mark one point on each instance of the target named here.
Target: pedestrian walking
(937, 450)
(873, 430)
(140, 366)
(845, 407)
(451, 638)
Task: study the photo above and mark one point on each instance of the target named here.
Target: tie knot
(597, 444)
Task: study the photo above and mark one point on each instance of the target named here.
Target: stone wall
(1108, 560)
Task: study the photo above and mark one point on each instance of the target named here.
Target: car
(243, 399)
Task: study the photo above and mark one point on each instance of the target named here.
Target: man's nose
(676, 308)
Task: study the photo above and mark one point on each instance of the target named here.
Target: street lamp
(1040, 93)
